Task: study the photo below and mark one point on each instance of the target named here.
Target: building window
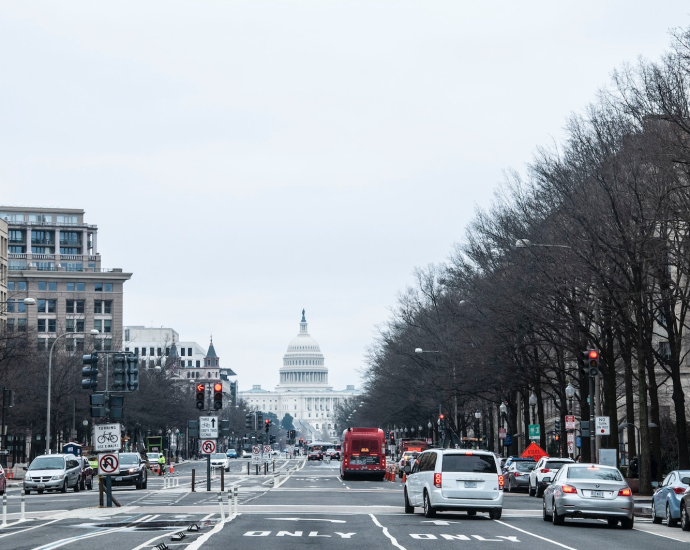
(75, 306)
(52, 325)
(73, 266)
(81, 287)
(159, 352)
(198, 364)
(69, 238)
(80, 344)
(102, 306)
(15, 236)
(103, 287)
(21, 325)
(80, 325)
(151, 352)
(42, 285)
(107, 344)
(136, 351)
(143, 352)
(189, 363)
(21, 285)
(189, 351)
(108, 307)
(10, 285)
(41, 327)
(38, 249)
(10, 325)
(98, 325)
(107, 326)
(70, 287)
(98, 287)
(182, 352)
(64, 250)
(69, 325)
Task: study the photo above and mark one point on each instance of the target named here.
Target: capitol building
(303, 391)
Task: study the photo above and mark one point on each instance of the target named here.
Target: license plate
(597, 494)
(118, 479)
(470, 484)
(41, 485)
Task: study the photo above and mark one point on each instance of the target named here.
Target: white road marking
(310, 519)
(27, 529)
(385, 532)
(533, 535)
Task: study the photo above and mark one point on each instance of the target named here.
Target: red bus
(363, 453)
(413, 445)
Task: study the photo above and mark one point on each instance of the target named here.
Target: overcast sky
(245, 160)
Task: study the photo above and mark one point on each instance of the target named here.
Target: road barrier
(220, 503)
(23, 516)
(4, 510)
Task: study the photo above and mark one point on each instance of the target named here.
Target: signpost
(570, 422)
(603, 425)
(106, 437)
(534, 431)
(501, 433)
(267, 454)
(208, 446)
(208, 427)
(109, 464)
(535, 451)
(571, 442)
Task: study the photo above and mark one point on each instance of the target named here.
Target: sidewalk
(643, 506)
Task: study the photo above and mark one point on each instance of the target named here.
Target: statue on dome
(303, 319)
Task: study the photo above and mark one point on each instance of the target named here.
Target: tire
(146, 481)
(612, 522)
(27, 491)
(471, 512)
(139, 484)
(508, 486)
(64, 487)
(82, 485)
(546, 517)
(409, 509)
(670, 521)
(496, 513)
(76, 487)
(429, 511)
(684, 519)
(556, 519)
(531, 492)
(655, 519)
(40, 491)
(627, 523)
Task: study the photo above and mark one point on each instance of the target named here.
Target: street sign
(570, 422)
(578, 442)
(501, 433)
(603, 425)
(534, 431)
(208, 446)
(508, 441)
(535, 451)
(208, 427)
(571, 447)
(108, 463)
(267, 453)
(106, 437)
(256, 454)
(571, 437)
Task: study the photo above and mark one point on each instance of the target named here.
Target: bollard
(235, 498)
(227, 499)
(23, 517)
(222, 480)
(220, 503)
(274, 465)
(248, 468)
(177, 480)
(193, 475)
(4, 510)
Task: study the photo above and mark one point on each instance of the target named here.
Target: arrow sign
(108, 463)
(213, 422)
(315, 519)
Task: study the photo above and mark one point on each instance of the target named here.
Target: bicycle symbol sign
(208, 447)
(106, 437)
(108, 463)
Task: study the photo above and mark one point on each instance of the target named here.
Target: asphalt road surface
(300, 505)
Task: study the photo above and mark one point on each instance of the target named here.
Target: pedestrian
(634, 467)
(161, 464)
(578, 458)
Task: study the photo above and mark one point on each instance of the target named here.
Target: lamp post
(570, 393)
(532, 404)
(429, 426)
(478, 433)
(503, 410)
(50, 372)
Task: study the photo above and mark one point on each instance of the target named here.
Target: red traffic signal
(200, 387)
(200, 396)
(593, 354)
(217, 387)
(217, 396)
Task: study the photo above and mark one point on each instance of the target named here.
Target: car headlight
(56, 477)
(132, 470)
(27, 477)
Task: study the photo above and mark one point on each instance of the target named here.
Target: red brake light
(568, 489)
(517, 474)
(624, 493)
(437, 480)
(501, 482)
(544, 470)
(677, 490)
(469, 454)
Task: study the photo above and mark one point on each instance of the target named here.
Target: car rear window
(555, 464)
(584, 472)
(479, 464)
(525, 466)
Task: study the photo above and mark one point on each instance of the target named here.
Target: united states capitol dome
(303, 363)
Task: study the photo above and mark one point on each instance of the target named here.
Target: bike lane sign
(106, 437)
(108, 463)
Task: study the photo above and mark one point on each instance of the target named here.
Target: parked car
(231, 453)
(588, 491)
(407, 459)
(3, 481)
(455, 479)
(86, 478)
(518, 475)
(220, 460)
(52, 472)
(666, 499)
(132, 471)
(546, 466)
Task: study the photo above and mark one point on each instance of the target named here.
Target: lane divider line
(534, 535)
(385, 532)
(27, 529)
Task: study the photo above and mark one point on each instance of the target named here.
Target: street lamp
(533, 403)
(478, 433)
(570, 393)
(25, 301)
(50, 371)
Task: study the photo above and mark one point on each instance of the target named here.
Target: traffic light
(593, 356)
(558, 426)
(217, 395)
(89, 372)
(268, 425)
(558, 436)
(200, 396)
(271, 439)
(392, 438)
(248, 420)
(259, 419)
(119, 370)
(132, 372)
(224, 428)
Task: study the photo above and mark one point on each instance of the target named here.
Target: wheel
(40, 491)
(429, 511)
(82, 485)
(27, 491)
(90, 484)
(655, 518)
(538, 493)
(76, 487)
(556, 519)
(471, 512)
(64, 487)
(409, 509)
(146, 481)
(139, 484)
(627, 523)
(547, 517)
(670, 521)
(684, 519)
(531, 492)
(495, 513)
(612, 522)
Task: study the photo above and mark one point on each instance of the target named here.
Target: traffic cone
(172, 468)
(404, 479)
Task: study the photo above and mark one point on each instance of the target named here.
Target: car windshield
(129, 458)
(556, 464)
(480, 464)
(217, 455)
(152, 456)
(48, 463)
(589, 472)
(524, 466)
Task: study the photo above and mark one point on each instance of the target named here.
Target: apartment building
(3, 272)
(53, 257)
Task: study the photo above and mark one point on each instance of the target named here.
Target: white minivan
(455, 479)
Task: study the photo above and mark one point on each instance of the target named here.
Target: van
(53, 472)
(455, 480)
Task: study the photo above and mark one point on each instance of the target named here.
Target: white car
(220, 460)
(455, 479)
(546, 467)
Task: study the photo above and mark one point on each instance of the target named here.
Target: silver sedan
(589, 491)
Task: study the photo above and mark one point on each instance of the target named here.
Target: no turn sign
(108, 463)
(208, 446)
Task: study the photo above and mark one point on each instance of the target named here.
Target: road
(302, 505)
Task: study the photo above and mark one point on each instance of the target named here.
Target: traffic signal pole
(592, 429)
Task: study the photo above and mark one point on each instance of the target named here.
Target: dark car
(314, 455)
(86, 479)
(517, 474)
(132, 471)
(512, 459)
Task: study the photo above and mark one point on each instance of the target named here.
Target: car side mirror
(685, 480)
(407, 469)
(546, 479)
(25, 468)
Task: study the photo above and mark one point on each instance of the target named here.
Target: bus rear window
(479, 464)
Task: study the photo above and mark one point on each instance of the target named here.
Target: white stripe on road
(385, 532)
(533, 535)
(25, 530)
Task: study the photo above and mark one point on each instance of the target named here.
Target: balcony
(17, 241)
(49, 242)
(69, 242)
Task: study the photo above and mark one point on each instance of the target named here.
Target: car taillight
(568, 489)
(501, 482)
(628, 492)
(544, 470)
(517, 474)
(437, 480)
(679, 490)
